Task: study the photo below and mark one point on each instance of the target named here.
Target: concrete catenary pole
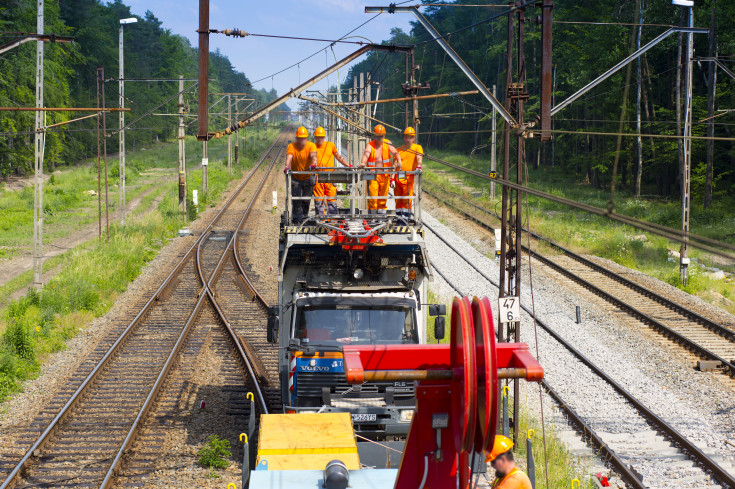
(182, 149)
(99, 156)
(353, 135)
(686, 173)
(121, 136)
(229, 136)
(338, 142)
(205, 166)
(104, 151)
(237, 134)
(361, 121)
(39, 145)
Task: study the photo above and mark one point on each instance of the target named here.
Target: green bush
(17, 339)
(81, 295)
(214, 453)
(8, 364)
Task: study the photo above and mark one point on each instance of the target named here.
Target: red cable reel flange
(487, 383)
(464, 366)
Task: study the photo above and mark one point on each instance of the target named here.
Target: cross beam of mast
(294, 92)
(621, 64)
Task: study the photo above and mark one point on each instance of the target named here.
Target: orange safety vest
(511, 482)
(325, 156)
(374, 153)
(301, 159)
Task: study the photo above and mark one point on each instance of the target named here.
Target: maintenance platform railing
(354, 197)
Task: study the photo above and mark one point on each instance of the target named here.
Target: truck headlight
(358, 274)
(406, 415)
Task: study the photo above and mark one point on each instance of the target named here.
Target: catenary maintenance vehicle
(350, 279)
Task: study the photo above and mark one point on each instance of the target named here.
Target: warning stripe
(323, 230)
(304, 451)
(291, 372)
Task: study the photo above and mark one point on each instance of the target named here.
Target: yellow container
(306, 441)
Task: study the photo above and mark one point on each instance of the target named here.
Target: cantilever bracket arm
(34, 37)
(295, 92)
(452, 54)
(617, 67)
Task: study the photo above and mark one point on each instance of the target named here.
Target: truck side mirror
(273, 323)
(439, 324)
(437, 309)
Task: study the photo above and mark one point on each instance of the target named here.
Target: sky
(260, 57)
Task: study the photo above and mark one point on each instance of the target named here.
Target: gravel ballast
(694, 402)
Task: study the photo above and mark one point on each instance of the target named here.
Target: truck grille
(309, 384)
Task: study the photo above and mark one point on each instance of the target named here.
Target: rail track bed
(702, 337)
(624, 430)
(113, 424)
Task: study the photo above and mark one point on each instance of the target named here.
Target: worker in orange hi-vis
(300, 156)
(412, 156)
(378, 155)
(326, 153)
(507, 475)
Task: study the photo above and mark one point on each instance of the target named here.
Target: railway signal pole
(39, 140)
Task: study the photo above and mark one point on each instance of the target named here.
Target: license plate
(363, 417)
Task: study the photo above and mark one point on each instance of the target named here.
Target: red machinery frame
(456, 392)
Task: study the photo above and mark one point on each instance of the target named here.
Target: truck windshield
(361, 325)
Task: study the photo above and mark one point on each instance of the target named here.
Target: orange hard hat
(320, 132)
(301, 132)
(409, 132)
(501, 445)
(379, 130)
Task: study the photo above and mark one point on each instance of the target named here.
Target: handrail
(356, 178)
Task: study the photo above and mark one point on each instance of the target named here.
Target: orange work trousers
(378, 188)
(404, 188)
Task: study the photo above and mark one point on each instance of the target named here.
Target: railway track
(641, 441)
(701, 336)
(139, 380)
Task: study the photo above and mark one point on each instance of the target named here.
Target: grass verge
(563, 465)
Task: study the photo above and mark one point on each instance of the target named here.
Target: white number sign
(509, 309)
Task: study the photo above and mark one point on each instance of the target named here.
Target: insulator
(235, 33)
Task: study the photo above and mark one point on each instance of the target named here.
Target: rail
(206, 293)
(687, 446)
(691, 345)
(114, 348)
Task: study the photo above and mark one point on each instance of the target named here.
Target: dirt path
(18, 265)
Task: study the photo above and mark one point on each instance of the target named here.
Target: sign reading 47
(509, 309)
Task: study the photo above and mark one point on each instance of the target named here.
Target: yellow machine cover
(306, 441)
